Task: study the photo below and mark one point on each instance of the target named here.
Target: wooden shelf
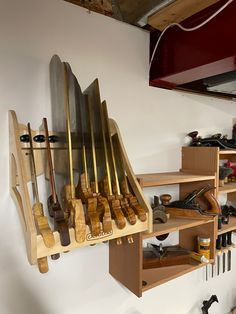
(157, 276)
(174, 224)
(167, 178)
(126, 261)
(227, 188)
(229, 227)
(227, 152)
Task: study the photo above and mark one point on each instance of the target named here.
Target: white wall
(153, 123)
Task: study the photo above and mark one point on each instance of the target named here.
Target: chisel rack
(20, 177)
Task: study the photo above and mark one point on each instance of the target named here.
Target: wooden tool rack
(20, 176)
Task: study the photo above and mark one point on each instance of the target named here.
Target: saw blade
(84, 134)
(63, 118)
(94, 98)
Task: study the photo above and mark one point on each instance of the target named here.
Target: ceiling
(147, 14)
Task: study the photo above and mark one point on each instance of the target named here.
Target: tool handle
(224, 240)
(165, 199)
(219, 242)
(117, 214)
(215, 207)
(60, 224)
(128, 211)
(229, 238)
(93, 216)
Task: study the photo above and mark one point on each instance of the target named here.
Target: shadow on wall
(132, 311)
(16, 296)
(220, 104)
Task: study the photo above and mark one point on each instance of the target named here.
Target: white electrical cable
(187, 29)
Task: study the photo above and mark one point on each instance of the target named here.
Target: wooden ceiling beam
(99, 6)
(177, 11)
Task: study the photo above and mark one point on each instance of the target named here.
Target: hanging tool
(207, 304)
(54, 206)
(76, 100)
(116, 168)
(40, 220)
(125, 189)
(92, 100)
(73, 205)
(103, 204)
(104, 172)
(125, 207)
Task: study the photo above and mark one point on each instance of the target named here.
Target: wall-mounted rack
(20, 176)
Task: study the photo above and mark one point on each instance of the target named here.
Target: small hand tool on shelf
(159, 256)
(159, 212)
(224, 172)
(216, 140)
(190, 203)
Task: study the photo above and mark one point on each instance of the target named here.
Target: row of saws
(86, 170)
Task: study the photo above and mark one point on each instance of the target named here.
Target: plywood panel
(188, 237)
(177, 11)
(125, 263)
(200, 158)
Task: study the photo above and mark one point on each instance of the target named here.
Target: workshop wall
(153, 123)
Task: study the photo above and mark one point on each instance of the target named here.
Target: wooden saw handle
(117, 214)
(106, 214)
(139, 211)
(78, 220)
(42, 225)
(43, 265)
(128, 211)
(93, 216)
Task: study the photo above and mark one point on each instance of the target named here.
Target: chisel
(218, 247)
(229, 243)
(224, 246)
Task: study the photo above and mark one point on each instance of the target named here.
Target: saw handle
(60, 224)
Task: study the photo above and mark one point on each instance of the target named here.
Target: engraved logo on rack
(102, 234)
